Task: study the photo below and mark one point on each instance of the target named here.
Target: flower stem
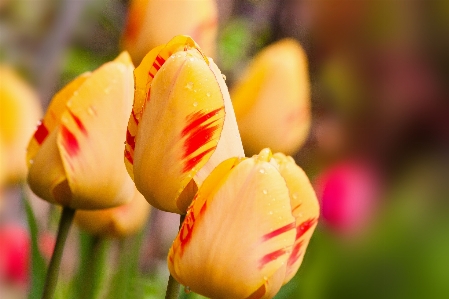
(173, 286)
(53, 268)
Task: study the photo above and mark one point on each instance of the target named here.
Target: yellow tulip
(246, 232)
(152, 22)
(182, 124)
(272, 99)
(117, 222)
(19, 112)
(75, 155)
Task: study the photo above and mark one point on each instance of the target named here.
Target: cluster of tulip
(183, 153)
(254, 215)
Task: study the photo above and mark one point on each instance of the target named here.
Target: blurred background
(377, 152)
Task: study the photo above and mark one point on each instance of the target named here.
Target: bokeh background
(377, 152)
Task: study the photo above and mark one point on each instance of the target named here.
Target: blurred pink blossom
(14, 253)
(348, 193)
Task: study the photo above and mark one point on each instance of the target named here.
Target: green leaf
(38, 267)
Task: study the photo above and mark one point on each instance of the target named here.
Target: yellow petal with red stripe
(180, 123)
(91, 134)
(238, 233)
(143, 77)
(52, 118)
(117, 222)
(230, 143)
(46, 174)
(305, 209)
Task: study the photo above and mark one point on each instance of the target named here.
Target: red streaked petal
(262, 226)
(179, 128)
(91, 137)
(305, 209)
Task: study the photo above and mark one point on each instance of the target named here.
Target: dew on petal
(262, 170)
(265, 191)
(189, 86)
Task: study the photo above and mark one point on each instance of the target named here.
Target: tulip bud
(14, 253)
(247, 230)
(117, 222)
(19, 113)
(152, 22)
(347, 192)
(272, 99)
(74, 157)
(182, 124)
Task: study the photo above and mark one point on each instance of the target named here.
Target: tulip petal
(305, 209)
(48, 161)
(19, 111)
(230, 143)
(143, 77)
(237, 233)
(272, 100)
(151, 23)
(90, 136)
(116, 222)
(52, 118)
(178, 127)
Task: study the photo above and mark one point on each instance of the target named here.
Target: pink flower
(347, 193)
(14, 253)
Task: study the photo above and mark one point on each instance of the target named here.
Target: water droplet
(262, 170)
(31, 162)
(208, 94)
(265, 278)
(91, 110)
(265, 191)
(295, 195)
(224, 77)
(187, 290)
(270, 213)
(192, 59)
(189, 85)
(75, 93)
(195, 104)
(300, 215)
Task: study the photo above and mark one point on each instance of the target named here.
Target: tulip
(347, 193)
(246, 231)
(182, 124)
(74, 157)
(14, 253)
(152, 22)
(117, 222)
(272, 99)
(19, 113)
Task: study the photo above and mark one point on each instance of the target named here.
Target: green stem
(173, 286)
(53, 268)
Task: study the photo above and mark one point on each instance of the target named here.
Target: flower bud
(272, 99)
